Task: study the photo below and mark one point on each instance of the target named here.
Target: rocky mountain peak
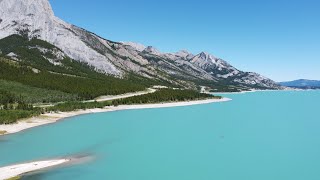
(35, 19)
(25, 8)
(183, 53)
(152, 50)
(30, 17)
(136, 46)
(206, 56)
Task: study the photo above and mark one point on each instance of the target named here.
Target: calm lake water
(257, 136)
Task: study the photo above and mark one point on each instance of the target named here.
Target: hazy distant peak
(301, 83)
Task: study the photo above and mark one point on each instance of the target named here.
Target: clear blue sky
(277, 38)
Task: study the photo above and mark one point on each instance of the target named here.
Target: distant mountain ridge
(36, 19)
(302, 83)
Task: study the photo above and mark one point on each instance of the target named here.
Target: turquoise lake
(257, 136)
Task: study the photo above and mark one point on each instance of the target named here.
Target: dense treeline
(7, 97)
(35, 95)
(9, 101)
(165, 95)
(77, 105)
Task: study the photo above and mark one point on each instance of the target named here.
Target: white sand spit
(17, 170)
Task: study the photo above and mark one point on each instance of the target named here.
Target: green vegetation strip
(161, 96)
(165, 95)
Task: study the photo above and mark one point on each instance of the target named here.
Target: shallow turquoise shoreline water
(257, 136)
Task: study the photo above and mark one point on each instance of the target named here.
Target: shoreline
(49, 118)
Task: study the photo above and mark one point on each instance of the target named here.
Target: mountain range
(35, 19)
(302, 83)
